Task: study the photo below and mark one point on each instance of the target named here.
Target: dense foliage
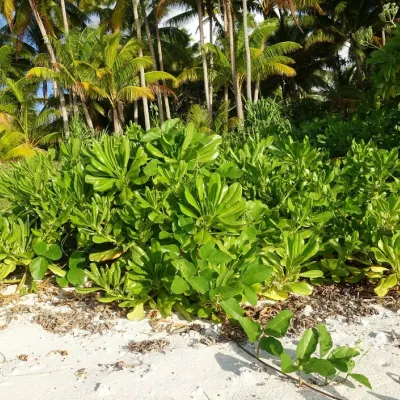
(180, 219)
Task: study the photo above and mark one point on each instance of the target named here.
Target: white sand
(187, 369)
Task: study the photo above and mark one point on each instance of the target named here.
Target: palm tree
(350, 18)
(266, 61)
(157, 12)
(142, 76)
(75, 53)
(117, 77)
(53, 61)
(231, 38)
(247, 50)
(22, 126)
(204, 57)
(153, 56)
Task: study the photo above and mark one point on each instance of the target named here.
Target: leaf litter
(347, 301)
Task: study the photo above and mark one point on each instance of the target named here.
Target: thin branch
(293, 379)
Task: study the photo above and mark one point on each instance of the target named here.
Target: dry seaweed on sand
(346, 301)
(147, 346)
(63, 322)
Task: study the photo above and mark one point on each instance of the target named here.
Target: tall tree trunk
(117, 122)
(256, 91)
(225, 18)
(160, 58)
(64, 17)
(257, 86)
(358, 72)
(45, 89)
(153, 56)
(88, 118)
(211, 62)
(226, 102)
(121, 112)
(75, 107)
(247, 52)
(383, 36)
(53, 61)
(204, 58)
(142, 77)
(136, 112)
(236, 89)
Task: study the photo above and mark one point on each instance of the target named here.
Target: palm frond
(154, 76)
(42, 73)
(23, 150)
(131, 93)
(189, 75)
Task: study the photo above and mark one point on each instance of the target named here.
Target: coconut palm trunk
(257, 85)
(247, 52)
(64, 17)
(204, 58)
(142, 76)
(225, 18)
(211, 62)
(116, 120)
(153, 56)
(85, 109)
(160, 60)
(53, 61)
(87, 114)
(236, 88)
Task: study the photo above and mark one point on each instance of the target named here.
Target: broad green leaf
(137, 313)
(40, 248)
(319, 366)
(250, 294)
(275, 294)
(57, 270)
(62, 282)
(53, 252)
(325, 340)
(252, 328)
(214, 188)
(38, 267)
(190, 199)
(344, 352)
(200, 284)
(213, 256)
(287, 365)
(187, 211)
(188, 136)
(77, 259)
(301, 288)
(362, 379)
(226, 292)
(232, 308)
(279, 325)
(321, 217)
(107, 255)
(271, 345)
(307, 344)
(186, 268)
(385, 285)
(179, 285)
(312, 274)
(256, 273)
(76, 276)
(205, 251)
(202, 237)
